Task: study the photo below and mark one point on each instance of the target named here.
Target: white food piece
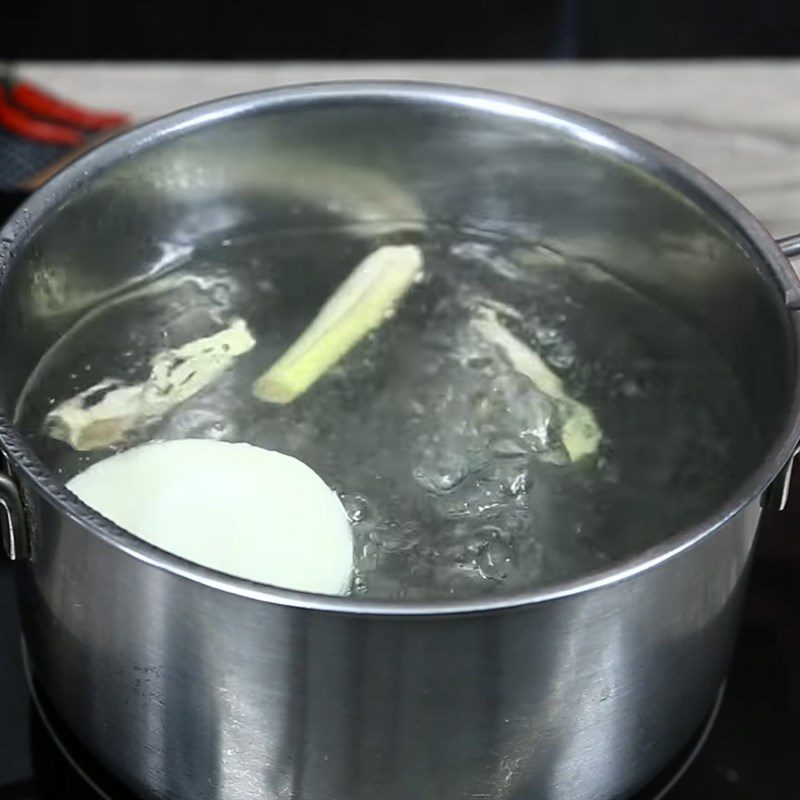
(176, 375)
(239, 509)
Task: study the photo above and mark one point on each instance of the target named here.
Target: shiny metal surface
(12, 515)
(790, 245)
(192, 685)
(776, 496)
(106, 787)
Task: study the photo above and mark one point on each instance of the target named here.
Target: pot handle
(790, 282)
(776, 496)
(12, 514)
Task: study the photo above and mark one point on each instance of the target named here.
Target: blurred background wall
(364, 29)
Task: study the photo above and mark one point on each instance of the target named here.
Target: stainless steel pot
(191, 685)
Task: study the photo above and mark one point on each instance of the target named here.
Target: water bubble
(221, 294)
(607, 470)
(440, 472)
(538, 439)
(562, 356)
(509, 448)
(215, 430)
(479, 363)
(370, 555)
(547, 335)
(416, 408)
(496, 560)
(356, 506)
(399, 538)
(632, 388)
(519, 486)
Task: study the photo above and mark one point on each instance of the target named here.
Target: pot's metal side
(186, 692)
(13, 525)
(790, 247)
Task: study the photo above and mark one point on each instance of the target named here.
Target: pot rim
(688, 180)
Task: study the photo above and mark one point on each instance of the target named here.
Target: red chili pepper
(42, 104)
(17, 121)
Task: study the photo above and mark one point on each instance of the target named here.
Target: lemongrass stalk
(580, 432)
(365, 299)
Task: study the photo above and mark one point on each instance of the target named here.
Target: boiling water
(449, 462)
